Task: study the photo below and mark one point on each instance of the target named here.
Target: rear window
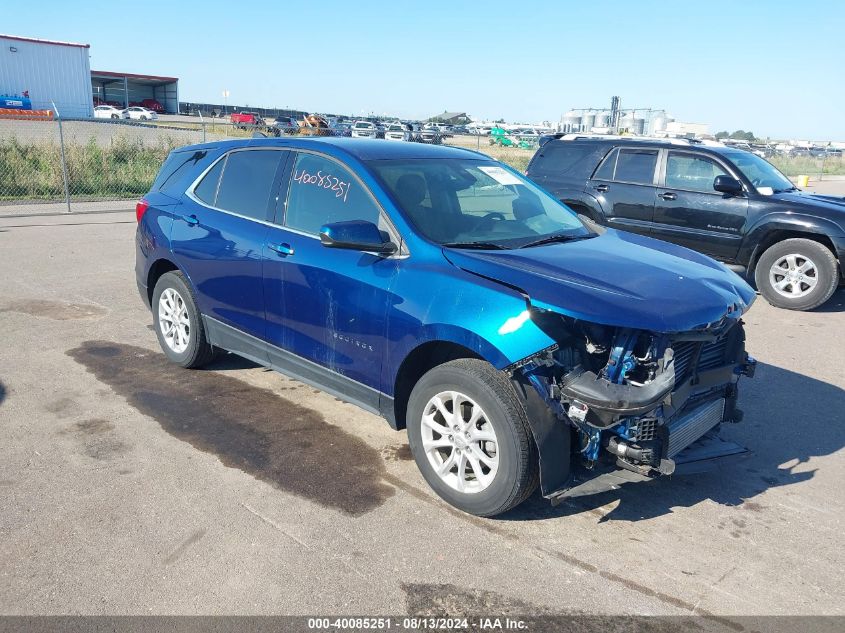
(566, 159)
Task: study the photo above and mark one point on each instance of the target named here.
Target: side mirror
(726, 184)
(356, 235)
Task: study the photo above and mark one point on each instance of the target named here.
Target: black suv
(727, 203)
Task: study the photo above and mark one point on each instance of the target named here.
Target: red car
(245, 120)
(152, 104)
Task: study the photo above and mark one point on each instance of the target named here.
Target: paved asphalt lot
(129, 487)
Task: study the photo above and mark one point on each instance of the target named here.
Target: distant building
(48, 72)
(687, 129)
(452, 118)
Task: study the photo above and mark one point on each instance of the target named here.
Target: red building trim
(106, 73)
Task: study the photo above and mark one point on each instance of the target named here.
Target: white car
(398, 132)
(108, 112)
(140, 114)
(364, 129)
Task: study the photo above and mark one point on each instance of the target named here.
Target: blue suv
(518, 343)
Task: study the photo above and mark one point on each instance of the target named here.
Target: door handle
(601, 188)
(281, 249)
(190, 220)
(668, 196)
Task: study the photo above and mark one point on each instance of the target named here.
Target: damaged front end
(609, 405)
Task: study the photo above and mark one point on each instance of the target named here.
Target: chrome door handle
(668, 196)
(281, 249)
(601, 188)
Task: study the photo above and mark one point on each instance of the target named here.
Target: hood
(618, 279)
(832, 204)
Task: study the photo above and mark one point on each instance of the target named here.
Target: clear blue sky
(776, 67)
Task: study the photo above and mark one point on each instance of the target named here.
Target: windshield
(464, 202)
(760, 172)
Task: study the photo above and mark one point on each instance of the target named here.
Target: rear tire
(797, 274)
(178, 323)
(490, 433)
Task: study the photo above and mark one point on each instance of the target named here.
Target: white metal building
(51, 72)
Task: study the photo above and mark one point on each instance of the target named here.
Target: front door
(691, 213)
(220, 235)
(624, 186)
(327, 306)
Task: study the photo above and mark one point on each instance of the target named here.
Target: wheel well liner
(158, 268)
(420, 360)
(779, 235)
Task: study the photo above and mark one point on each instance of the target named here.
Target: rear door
(624, 184)
(691, 213)
(219, 235)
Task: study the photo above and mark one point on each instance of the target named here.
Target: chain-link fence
(53, 165)
(50, 164)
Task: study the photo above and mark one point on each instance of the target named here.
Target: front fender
(783, 221)
(458, 307)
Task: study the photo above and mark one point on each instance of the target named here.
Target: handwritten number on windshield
(326, 181)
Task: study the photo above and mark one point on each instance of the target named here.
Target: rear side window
(247, 181)
(635, 166)
(566, 159)
(207, 189)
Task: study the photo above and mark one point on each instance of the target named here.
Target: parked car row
(149, 104)
(137, 113)
(400, 131)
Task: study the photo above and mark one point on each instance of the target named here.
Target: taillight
(141, 208)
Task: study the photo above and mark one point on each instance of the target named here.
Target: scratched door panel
(327, 305)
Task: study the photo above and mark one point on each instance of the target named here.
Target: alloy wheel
(460, 442)
(793, 276)
(173, 320)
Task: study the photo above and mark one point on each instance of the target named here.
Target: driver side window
(323, 191)
(691, 173)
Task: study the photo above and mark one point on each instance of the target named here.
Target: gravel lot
(131, 487)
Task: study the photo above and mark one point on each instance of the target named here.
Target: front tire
(178, 324)
(797, 274)
(470, 437)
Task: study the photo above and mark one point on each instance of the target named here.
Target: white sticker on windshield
(502, 176)
(765, 191)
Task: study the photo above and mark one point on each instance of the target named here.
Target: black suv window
(566, 158)
(692, 173)
(322, 191)
(635, 166)
(246, 183)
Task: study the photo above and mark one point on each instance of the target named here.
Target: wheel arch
(584, 204)
(414, 366)
(157, 269)
(769, 236)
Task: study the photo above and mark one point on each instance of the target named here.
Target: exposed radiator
(690, 426)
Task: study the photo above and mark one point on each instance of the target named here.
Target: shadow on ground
(789, 419)
(835, 304)
(2, 392)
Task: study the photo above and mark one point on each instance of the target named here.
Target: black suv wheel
(797, 274)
